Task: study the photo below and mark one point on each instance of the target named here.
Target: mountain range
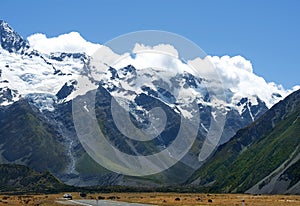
(37, 128)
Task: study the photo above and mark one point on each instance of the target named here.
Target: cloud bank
(237, 75)
(72, 42)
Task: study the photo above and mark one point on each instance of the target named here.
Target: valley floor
(163, 199)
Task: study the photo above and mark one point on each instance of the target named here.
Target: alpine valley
(258, 151)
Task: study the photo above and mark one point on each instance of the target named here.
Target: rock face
(36, 123)
(11, 40)
(261, 158)
(29, 138)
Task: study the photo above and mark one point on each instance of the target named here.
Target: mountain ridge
(261, 147)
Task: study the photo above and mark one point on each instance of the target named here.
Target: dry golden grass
(166, 199)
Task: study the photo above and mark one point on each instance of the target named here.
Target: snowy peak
(251, 107)
(129, 82)
(28, 73)
(11, 40)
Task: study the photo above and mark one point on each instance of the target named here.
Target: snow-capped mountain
(49, 82)
(26, 71)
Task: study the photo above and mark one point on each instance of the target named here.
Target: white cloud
(161, 48)
(71, 42)
(160, 57)
(235, 62)
(237, 75)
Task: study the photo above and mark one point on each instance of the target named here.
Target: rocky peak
(11, 40)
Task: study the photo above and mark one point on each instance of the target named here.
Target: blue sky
(265, 32)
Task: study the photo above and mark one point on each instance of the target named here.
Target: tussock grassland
(166, 199)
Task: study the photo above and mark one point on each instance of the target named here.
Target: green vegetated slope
(293, 173)
(256, 151)
(26, 138)
(21, 179)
